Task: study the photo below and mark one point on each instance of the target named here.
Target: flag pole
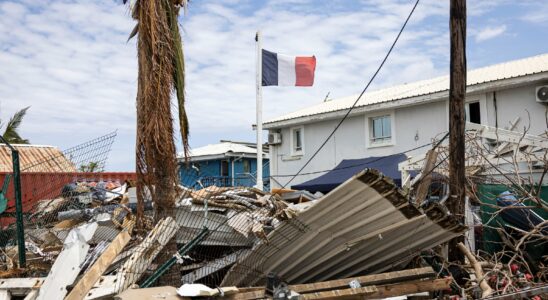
(259, 108)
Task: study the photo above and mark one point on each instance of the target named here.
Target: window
(247, 166)
(472, 111)
(381, 130)
(297, 141)
(224, 167)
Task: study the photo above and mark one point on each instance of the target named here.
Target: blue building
(225, 164)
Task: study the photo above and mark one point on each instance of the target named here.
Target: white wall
(425, 121)
(518, 102)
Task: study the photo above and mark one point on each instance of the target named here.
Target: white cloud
(69, 60)
(489, 33)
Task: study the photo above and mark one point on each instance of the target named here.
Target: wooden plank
(104, 289)
(146, 252)
(32, 295)
(21, 283)
(103, 262)
(426, 176)
(258, 294)
(340, 294)
(154, 293)
(401, 289)
(375, 279)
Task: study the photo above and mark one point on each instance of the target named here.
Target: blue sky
(69, 60)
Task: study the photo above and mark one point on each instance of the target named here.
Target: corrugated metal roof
(363, 226)
(220, 149)
(35, 158)
(512, 69)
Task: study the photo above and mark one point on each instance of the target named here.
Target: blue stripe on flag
(270, 68)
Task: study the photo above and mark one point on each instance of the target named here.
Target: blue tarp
(387, 165)
(523, 218)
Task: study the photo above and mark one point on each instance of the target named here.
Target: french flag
(280, 69)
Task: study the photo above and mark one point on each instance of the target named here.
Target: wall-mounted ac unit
(274, 138)
(542, 94)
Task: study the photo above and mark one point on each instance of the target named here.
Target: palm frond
(179, 74)
(10, 133)
(133, 32)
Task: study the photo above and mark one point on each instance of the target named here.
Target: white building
(402, 117)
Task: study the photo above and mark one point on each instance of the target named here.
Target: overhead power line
(359, 97)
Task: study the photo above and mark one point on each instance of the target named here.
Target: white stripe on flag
(286, 70)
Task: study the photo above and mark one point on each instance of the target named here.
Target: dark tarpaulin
(523, 218)
(387, 165)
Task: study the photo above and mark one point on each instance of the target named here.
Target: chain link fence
(210, 231)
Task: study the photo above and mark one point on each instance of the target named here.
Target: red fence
(37, 186)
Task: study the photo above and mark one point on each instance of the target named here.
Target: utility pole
(457, 93)
(259, 111)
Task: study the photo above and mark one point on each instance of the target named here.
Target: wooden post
(457, 93)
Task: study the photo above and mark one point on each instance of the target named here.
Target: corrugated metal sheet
(35, 158)
(220, 149)
(512, 69)
(192, 222)
(364, 226)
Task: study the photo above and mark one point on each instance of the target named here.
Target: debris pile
(84, 245)
(89, 230)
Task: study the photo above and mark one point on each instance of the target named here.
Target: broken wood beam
(354, 293)
(419, 286)
(426, 176)
(134, 268)
(103, 262)
(254, 294)
(375, 279)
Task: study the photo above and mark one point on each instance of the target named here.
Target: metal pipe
(18, 204)
(19, 209)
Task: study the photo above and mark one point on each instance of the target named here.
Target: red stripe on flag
(304, 69)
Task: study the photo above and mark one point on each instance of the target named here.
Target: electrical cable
(358, 164)
(359, 97)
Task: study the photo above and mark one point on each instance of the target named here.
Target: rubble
(83, 244)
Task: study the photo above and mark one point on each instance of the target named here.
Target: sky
(70, 62)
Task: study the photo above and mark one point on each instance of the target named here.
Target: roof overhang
(222, 156)
(417, 100)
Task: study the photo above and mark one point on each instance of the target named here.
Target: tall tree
(11, 133)
(161, 73)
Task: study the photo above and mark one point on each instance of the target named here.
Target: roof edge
(416, 100)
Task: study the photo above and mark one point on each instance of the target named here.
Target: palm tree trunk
(155, 147)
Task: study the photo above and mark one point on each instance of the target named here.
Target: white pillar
(259, 79)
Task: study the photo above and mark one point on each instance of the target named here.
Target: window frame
(467, 110)
(227, 168)
(246, 163)
(369, 130)
(292, 141)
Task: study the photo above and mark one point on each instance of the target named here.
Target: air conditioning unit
(274, 138)
(542, 94)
